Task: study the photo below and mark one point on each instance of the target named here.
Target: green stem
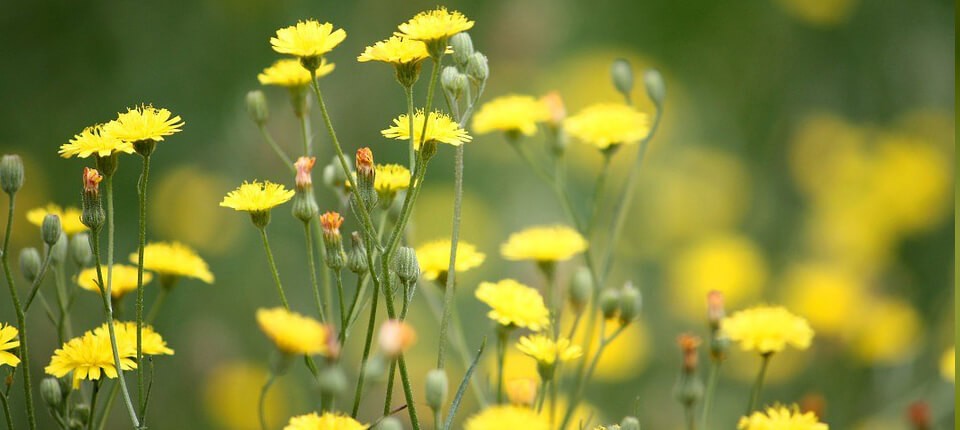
(353, 306)
(433, 302)
(404, 376)
(690, 415)
(708, 397)
(64, 327)
(408, 91)
(273, 267)
(758, 384)
(6, 411)
(448, 292)
(157, 304)
(338, 275)
(502, 335)
(371, 325)
(553, 402)
(35, 287)
(102, 422)
(21, 320)
(305, 134)
(581, 385)
(142, 242)
(276, 148)
(313, 271)
(93, 403)
(262, 402)
(598, 193)
(388, 397)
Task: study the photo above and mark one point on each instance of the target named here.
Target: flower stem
(313, 271)
(6, 411)
(366, 351)
(502, 335)
(413, 153)
(708, 398)
(449, 291)
(581, 385)
(305, 134)
(273, 267)
(404, 376)
(93, 404)
(64, 327)
(276, 148)
(338, 275)
(157, 305)
(758, 384)
(262, 402)
(142, 241)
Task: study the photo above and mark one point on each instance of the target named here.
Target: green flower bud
(656, 88)
(405, 264)
(333, 243)
(389, 423)
(477, 68)
(11, 173)
(257, 107)
(622, 74)
(81, 412)
(376, 368)
(453, 82)
(630, 423)
(332, 381)
(50, 229)
(75, 424)
(304, 206)
(333, 175)
(609, 303)
(92, 215)
(462, 46)
(30, 263)
(357, 259)
(630, 302)
(300, 101)
(80, 250)
(51, 393)
(436, 390)
(689, 389)
(58, 252)
(581, 288)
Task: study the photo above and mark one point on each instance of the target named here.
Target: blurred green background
(806, 158)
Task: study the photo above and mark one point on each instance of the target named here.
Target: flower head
(544, 243)
(327, 421)
(257, 196)
(289, 73)
(293, 333)
(606, 124)
(391, 178)
(434, 258)
(143, 123)
(396, 50)
(507, 417)
(151, 341)
(174, 259)
(69, 218)
(94, 141)
(304, 166)
(91, 181)
(512, 113)
(331, 222)
(87, 356)
(781, 417)
(514, 304)
(547, 351)
(307, 39)
(365, 160)
(124, 279)
(9, 340)
(767, 329)
(434, 25)
(441, 129)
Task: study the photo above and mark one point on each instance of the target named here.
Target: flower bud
(304, 167)
(396, 337)
(92, 215)
(462, 46)
(80, 250)
(477, 68)
(405, 264)
(11, 173)
(521, 391)
(357, 259)
(656, 89)
(366, 178)
(389, 423)
(689, 389)
(257, 107)
(453, 82)
(630, 302)
(581, 288)
(330, 223)
(58, 252)
(304, 205)
(689, 345)
(51, 393)
(622, 74)
(376, 368)
(332, 381)
(436, 390)
(630, 423)
(554, 103)
(30, 263)
(82, 412)
(609, 303)
(715, 312)
(50, 229)
(333, 175)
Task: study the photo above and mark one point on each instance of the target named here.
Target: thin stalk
(157, 304)
(262, 402)
(433, 302)
(689, 413)
(366, 351)
(408, 91)
(448, 292)
(598, 192)
(305, 134)
(35, 287)
(93, 403)
(553, 402)
(353, 305)
(758, 384)
(338, 275)
(276, 148)
(142, 242)
(404, 375)
(708, 397)
(388, 397)
(102, 422)
(273, 267)
(313, 271)
(6, 411)
(64, 327)
(502, 335)
(578, 392)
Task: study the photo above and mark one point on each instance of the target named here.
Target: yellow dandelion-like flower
(293, 333)
(124, 279)
(547, 351)
(174, 259)
(88, 356)
(434, 258)
(395, 50)
(307, 39)
(434, 25)
(543, 243)
(126, 332)
(391, 178)
(767, 329)
(289, 73)
(512, 113)
(781, 418)
(257, 196)
(69, 218)
(9, 340)
(948, 363)
(441, 129)
(327, 421)
(606, 124)
(144, 123)
(94, 141)
(506, 417)
(514, 304)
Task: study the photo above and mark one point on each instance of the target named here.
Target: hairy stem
(273, 267)
(142, 242)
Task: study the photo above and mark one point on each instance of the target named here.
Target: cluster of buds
(366, 178)
(11, 174)
(689, 388)
(333, 244)
(623, 304)
(469, 73)
(304, 203)
(719, 343)
(92, 215)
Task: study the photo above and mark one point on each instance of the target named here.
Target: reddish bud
(688, 346)
(364, 160)
(331, 222)
(554, 104)
(715, 311)
(304, 166)
(91, 181)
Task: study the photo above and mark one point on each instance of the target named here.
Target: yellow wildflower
(327, 421)
(781, 417)
(293, 333)
(231, 391)
(521, 391)
(143, 123)
(434, 258)
(511, 113)
(948, 363)
(94, 141)
(87, 356)
(607, 124)
(544, 243)
(886, 331)
(434, 25)
(767, 329)
(514, 304)
(547, 351)
(307, 39)
(827, 296)
(257, 196)
(506, 417)
(69, 218)
(289, 73)
(441, 129)
(396, 50)
(126, 332)
(391, 178)
(124, 279)
(174, 259)
(9, 340)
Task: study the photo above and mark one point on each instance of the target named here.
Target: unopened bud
(715, 312)
(630, 303)
(581, 288)
(477, 68)
(405, 264)
(333, 175)
(622, 74)
(330, 223)
(11, 173)
(82, 412)
(462, 46)
(304, 206)
(689, 345)
(58, 252)
(357, 259)
(257, 107)
(50, 229)
(304, 167)
(389, 423)
(689, 389)
(50, 392)
(656, 89)
(366, 178)
(453, 82)
(80, 250)
(609, 303)
(436, 390)
(521, 391)
(396, 337)
(630, 423)
(332, 381)
(30, 263)
(92, 214)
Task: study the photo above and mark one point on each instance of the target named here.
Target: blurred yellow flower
(887, 331)
(396, 50)
(506, 417)
(514, 304)
(829, 296)
(521, 391)
(231, 392)
(434, 25)
(607, 124)
(584, 413)
(289, 73)
(87, 356)
(781, 418)
(913, 183)
(143, 123)
(819, 12)
(948, 364)
(257, 196)
(124, 279)
(434, 258)
(307, 39)
(94, 141)
(543, 244)
(174, 259)
(547, 351)
(126, 332)
(512, 113)
(174, 212)
(327, 421)
(9, 339)
(69, 218)
(293, 333)
(767, 329)
(441, 129)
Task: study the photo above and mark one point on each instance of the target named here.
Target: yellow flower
(948, 363)
(544, 243)
(606, 124)
(124, 279)
(87, 356)
(307, 39)
(69, 218)
(441, 129)
(511, 113)
(514, 304)
(126, 332)
(257, 196)
(391, 178)
(506, 417)
(293, 333)
(9, 340)
(434, 25)
(434, 258)
(828, 296)
(547, 351)
(143, 123)
(94, 141)
(781, 418)
(174, 259)
(886, 331)
(289, 73)
(231, 391)
(767, 329)
(327, 421)
(395, 50)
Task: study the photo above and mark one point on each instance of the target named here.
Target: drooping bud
(304, 203)
(581, 288)
(50, 392)
(462, 46)
(453, 82)
(332, 381)
(436, 389)
(609, 303)
(689, 345)
(477, 68)
(405, 264)
(257, 107)
(30, 263)
(622, 74)
(50, 229)
(521, 391)
(11, 173)
(58, 252)
(330, 223)
(92, 215)
(357, 259)
(715, 312)
(80, 250)
(656, 89)
(630, 303)
(630, 423)
(366, 178)
(396, 337)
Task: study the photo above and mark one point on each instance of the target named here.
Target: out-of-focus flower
(126, 332)
(886, 331)
(819, 12)
(441, 129)
(88, 356)
(396, 50)
(514, 304)
(583, 413)
(289, 73)
(434, 258)
(767, 329)
(124, 279)
(781, 417)
(546, 351)
(231, 393)
(544, 244)
(606, 124)
(69, 217)
(506, 417)
(396, 337)
(94, 141)
(521, 391)
(174, 213)
(256, 196)
(512, 114)
(9, 340)
(174, 259)
(829, 296)
(144, 123)
(327, 421)
(434, 25)
(293, 333)
(948, 364)
(307, 39)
